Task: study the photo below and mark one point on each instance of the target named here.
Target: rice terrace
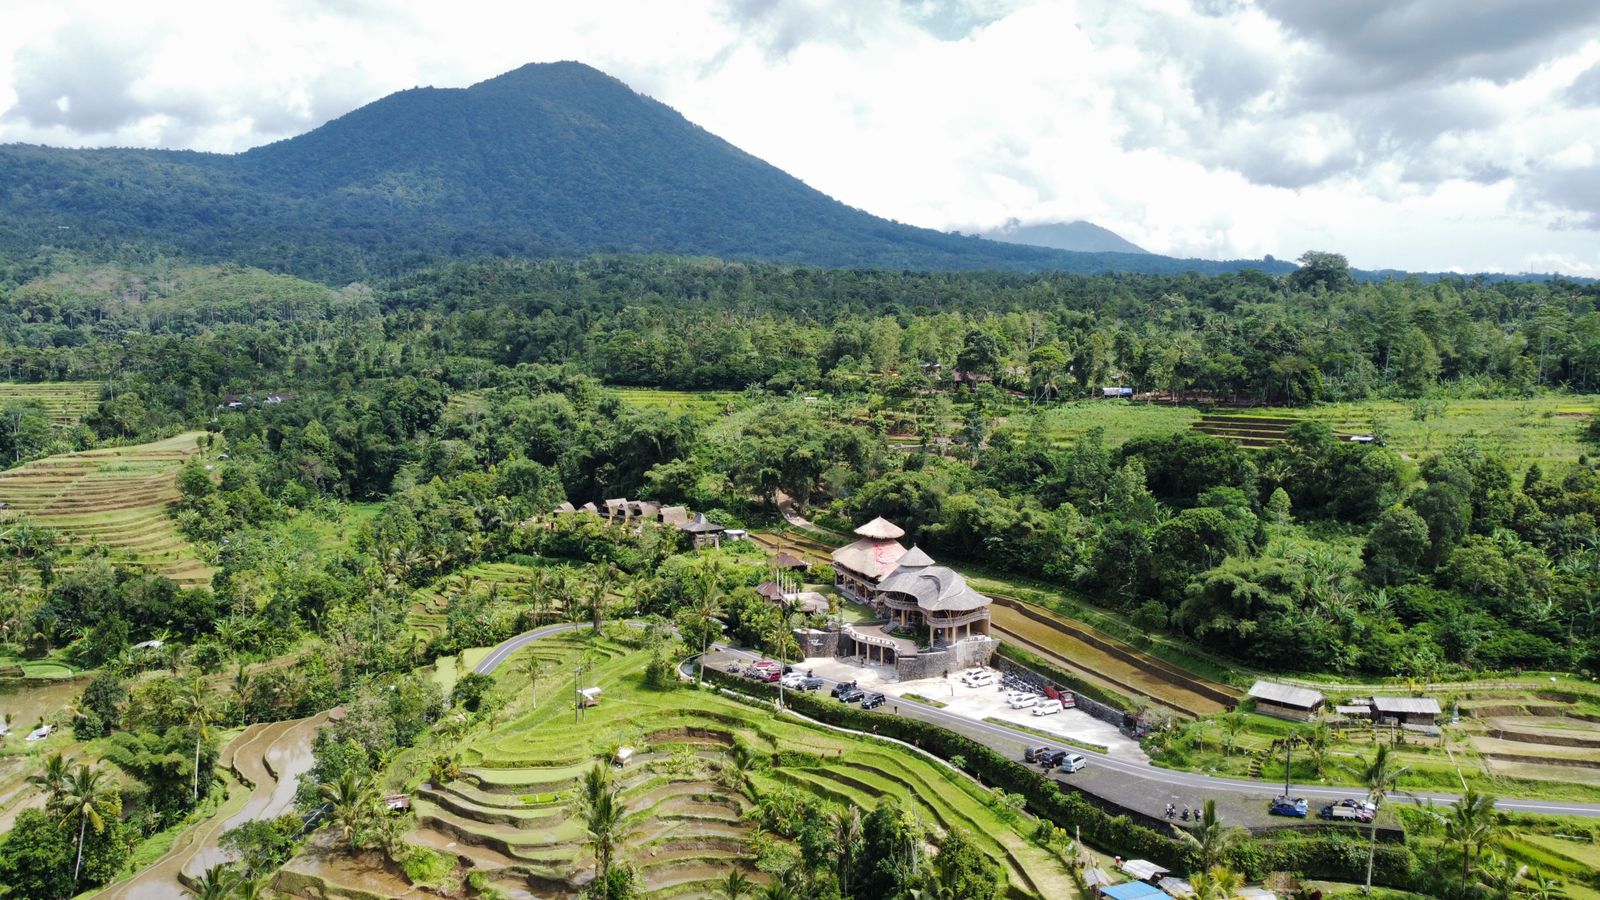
(116, 498)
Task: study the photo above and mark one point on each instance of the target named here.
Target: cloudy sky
(1417, 134)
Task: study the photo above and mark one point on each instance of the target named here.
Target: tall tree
(1380, 775)
(195, 705)
(86, 794)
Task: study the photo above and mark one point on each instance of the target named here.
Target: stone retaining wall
(933, 663)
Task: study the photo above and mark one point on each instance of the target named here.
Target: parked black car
(1053, 758)
(852, 695)
(872, 700)
(1035, 754)
(843, 686)
(810, 684)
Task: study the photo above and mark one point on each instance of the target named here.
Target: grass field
(67, 401)
(686, 825)
(115, 498)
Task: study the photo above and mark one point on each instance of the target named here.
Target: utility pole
(1288, 753)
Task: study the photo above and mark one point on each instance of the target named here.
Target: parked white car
(1073, 762)
(1047, 707)
(793, 679)
(1025, 701)
(982, 679)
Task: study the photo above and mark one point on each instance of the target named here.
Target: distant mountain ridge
(1078, 237)
(552, 159)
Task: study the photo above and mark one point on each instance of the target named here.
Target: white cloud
(1192, 127)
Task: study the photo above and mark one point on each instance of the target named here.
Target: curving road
(1137, 785)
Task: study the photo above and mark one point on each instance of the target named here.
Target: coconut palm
(1380, 776)
(735, 886)
(1232, 723)
(783, 644)
(1471, 823)
(1317, 740)
(602, 819)
(194, 704)
(706, 605)
(85, 796)
(218, 883)
(1211, 838)
(353, 801)
(533, 667)
(1216, 883)
(1501, 879)
(1542, 887)
(53, 779)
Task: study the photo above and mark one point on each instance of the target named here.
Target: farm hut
(674, 515)
(623, 756)
(1405, 710)
(735, 534)
(706, 533)
(787, 560)
(566, 508)
(589, 696)
(1144, 870)
(1132, 890)
(1094, 877)
(1286, 701)
(770, 590)
(590, 508)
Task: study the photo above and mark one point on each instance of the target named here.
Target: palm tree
(782, 888)
(1217, 883)
(594, 600)
(1232, 723)
(1501, 879)
(194, 703)
(353, 799)
(707, 605)
(1542, 887)
(1380, 777)
(846, 840)
(735, 886)
(1317, 740)
(602, 820)
(783, 644)
(85, 795)
(53, 779)
(533, 667)
(1471, 824)
(218, 883)
(1211, 837)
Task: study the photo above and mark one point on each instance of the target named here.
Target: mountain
(1079, 237)
(547, 160)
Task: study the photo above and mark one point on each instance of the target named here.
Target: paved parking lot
(978, 704)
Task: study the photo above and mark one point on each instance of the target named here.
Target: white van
(1047, 707)
(1073, 762)
(1024, 701)
(982, 679)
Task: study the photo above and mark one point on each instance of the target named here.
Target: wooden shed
(1405, 710)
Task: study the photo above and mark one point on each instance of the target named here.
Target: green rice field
(68, 402)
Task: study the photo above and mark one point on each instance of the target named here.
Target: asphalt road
(1136, 785)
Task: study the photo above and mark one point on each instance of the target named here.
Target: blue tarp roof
(1132, 890)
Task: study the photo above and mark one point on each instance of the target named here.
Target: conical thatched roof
(915, 558)
(881, 529)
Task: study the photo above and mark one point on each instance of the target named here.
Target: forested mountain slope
(549, 159)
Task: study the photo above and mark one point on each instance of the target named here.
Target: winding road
(1136, 785)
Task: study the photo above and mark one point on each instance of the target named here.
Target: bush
(426, 866)
(470, 690)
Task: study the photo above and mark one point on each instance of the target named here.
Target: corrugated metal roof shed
(1285, 695)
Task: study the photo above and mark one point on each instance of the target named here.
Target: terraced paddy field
(430, 604)
(68, 402)
(115, 498)
(687, 801)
